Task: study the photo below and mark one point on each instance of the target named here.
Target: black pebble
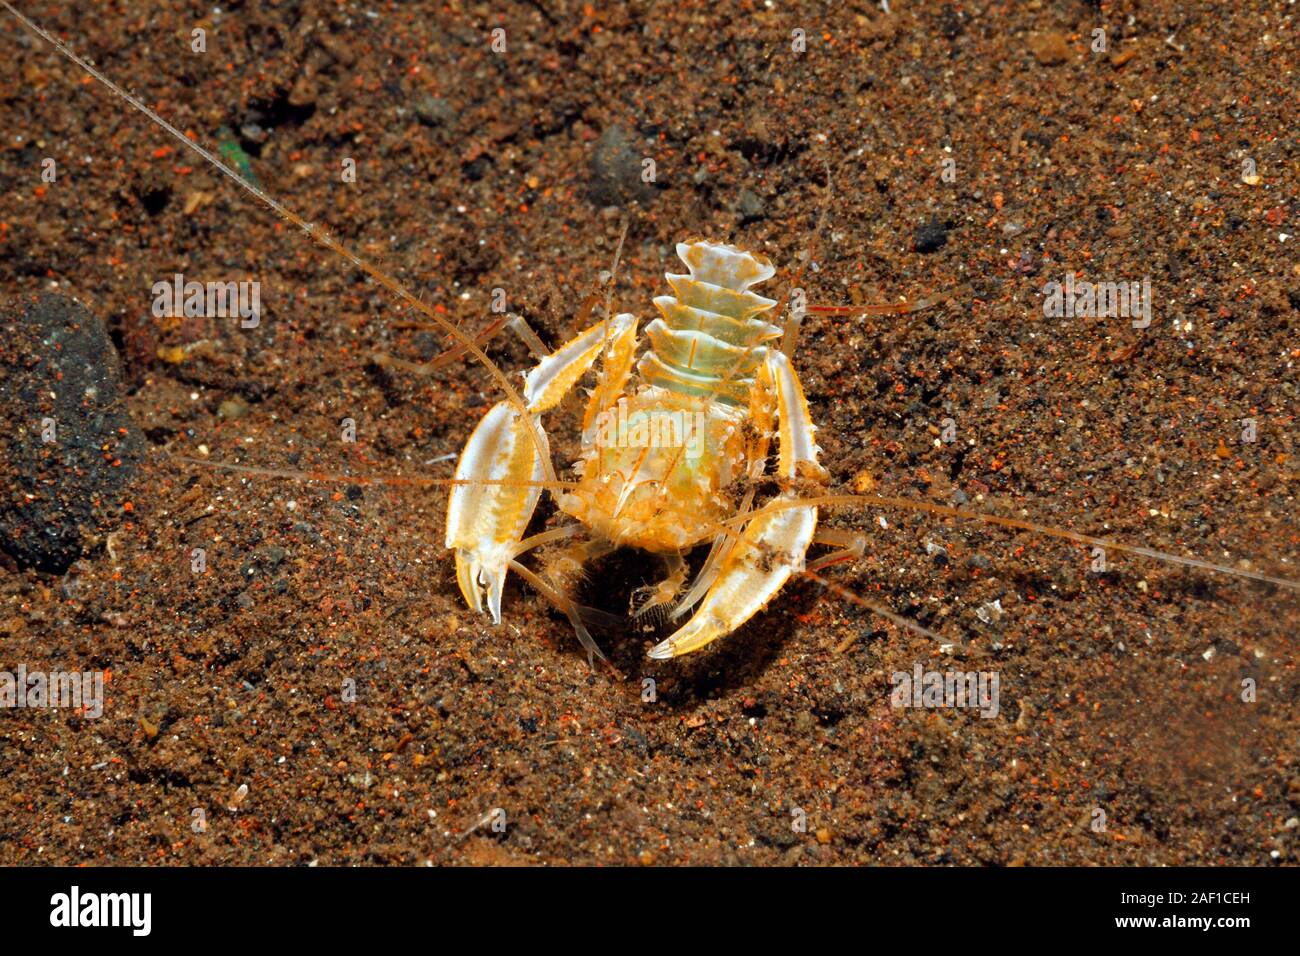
(932, 236)
(616, 165)
(59, 364)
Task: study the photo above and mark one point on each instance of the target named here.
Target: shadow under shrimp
(724, 668)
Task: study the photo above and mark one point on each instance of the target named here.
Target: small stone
(931, 236)
(1049, 49)
(433, 111)
(233, 408)
(750, 207)
(196, 200)
(990, 612)
(616, 168)
(304, 92)
(864, 482)
(951, 22)
(337, 46)
(1120, 57)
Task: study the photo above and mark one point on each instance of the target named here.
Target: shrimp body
(657, 462)
(665, 439)
(654, 475)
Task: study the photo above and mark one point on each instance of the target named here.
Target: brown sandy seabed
(1119, 166)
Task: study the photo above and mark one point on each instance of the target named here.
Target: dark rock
(59, 371)
(750, 207)
(932, 236)
(308, 530)
(153, 192)
(434, 111)
(616, 170)
(636, 738)
(476, 169)
(951, 22)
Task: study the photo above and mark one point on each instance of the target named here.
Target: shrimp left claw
(485, 522)
(500, 473)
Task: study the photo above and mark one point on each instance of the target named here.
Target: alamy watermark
(952, 689)
(218, 300)
(1098, 300)
(83, 691)
(75, 908)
